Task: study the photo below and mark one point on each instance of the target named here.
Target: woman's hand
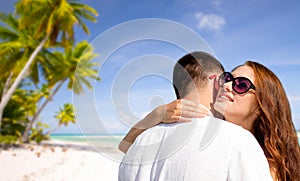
(180, 110)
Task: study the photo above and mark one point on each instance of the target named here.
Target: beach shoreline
(61, 160)
(57, 160)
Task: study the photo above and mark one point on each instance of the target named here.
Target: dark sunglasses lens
(225, 77)
(228, 77)
(241, 85)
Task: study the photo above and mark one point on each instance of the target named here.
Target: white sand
(56, 161)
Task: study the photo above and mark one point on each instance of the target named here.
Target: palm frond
(10, 47)
(80, 49)
(9, 20)
(29, 10)
(83, 25)
(7, 35)
(84, 11)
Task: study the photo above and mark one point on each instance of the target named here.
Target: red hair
(274, 129)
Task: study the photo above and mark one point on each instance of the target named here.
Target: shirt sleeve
(248, 162)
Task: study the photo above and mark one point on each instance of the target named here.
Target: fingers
(193, 114)
(177, 119)
(182, 111)
(181, 119)
(184, 120)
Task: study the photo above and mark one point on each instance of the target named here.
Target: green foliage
(11, 127)
(56, 18)
(6, 140)
(21, 106)
(21, 34)
(75, 65)
(9, 32)
(37, 134)
(66, 115)
(15, 48)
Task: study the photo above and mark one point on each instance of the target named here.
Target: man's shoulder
(225, 125)
(169, 126)
(230, 127)
(171, 130)
(240, 138)
(227, 131)
(211, 127)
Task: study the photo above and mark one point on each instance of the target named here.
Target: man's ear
(216, 83)
(215, 79)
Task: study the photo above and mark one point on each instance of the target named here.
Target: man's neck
(203, 97)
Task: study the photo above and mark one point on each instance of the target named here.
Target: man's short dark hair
(192, 70)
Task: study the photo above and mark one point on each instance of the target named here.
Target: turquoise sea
(106, 145)
(79, 138)
(98, 141)
(101, 141)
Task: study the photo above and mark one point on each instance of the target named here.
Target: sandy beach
(54, 160)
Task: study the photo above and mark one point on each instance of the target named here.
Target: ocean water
(108, 141)
(106, 145)
(96, 141)
(79, 138)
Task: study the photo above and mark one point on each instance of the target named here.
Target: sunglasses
(240, 85)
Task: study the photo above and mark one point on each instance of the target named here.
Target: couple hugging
(188, 138)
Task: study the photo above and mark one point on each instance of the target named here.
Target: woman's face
(240, 109)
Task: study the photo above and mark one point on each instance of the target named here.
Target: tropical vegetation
(38, 54)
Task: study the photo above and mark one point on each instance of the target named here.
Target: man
(204, 149)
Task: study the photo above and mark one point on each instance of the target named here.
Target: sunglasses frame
(233, 79)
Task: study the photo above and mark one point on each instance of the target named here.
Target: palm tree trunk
(1, 113)
(20, 77)
(6, 86)
(51, 131)
(25, 137)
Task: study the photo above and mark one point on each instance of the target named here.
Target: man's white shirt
(204, 149)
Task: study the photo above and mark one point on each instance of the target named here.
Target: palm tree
(65, 116)
(9, 47)
(74, 66)
(15, 48)
(55, 21)
(18, 110)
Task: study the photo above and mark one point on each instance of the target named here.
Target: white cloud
(210, 21)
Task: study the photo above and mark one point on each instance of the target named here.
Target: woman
(264, 110)
(252, 97)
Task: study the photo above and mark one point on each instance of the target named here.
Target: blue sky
(266, 31)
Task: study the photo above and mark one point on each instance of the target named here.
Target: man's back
(205, 149)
